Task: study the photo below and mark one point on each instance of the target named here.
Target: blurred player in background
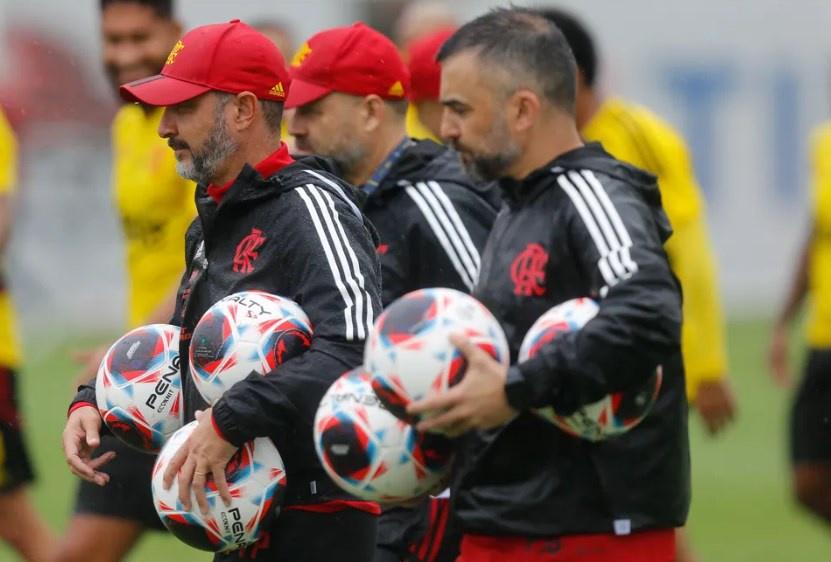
(418, 19)
(425, 77)
(155, 206)
(432, 218)
(20, 525)
(524, 490)
(634, 134)
(810, 423)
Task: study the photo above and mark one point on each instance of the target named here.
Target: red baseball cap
(353, 60)
(228, 57)
(425, 72)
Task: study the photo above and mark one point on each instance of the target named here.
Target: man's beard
(204, 165)
(493, 162)
(347, 156)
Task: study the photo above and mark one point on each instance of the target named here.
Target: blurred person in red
(349, 92)
(21, 527)
(425, 77)
(155, 206)
(419, 19)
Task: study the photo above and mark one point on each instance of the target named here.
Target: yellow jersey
(819, 273)
(9, 339)
(155, 205)
(636, 135)
(415, 128)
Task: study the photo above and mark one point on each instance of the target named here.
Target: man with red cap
(269, 223)
(425, 77)
(350, 89)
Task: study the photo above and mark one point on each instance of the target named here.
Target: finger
(198, 488)
(90, 426)
(80, 468)
(218, 473)
(442, 401)
(442, 421)
(468, 349)
(101, 460)
(186, 474)
(198, 415)
(175, 465)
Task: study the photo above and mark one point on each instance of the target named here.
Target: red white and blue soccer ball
(612, 415)
(256, 479)
(250, 331)
(138, 388)
(370, 453)
(409, 354)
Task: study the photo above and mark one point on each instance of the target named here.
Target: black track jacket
(583, 225)
(432, 220)
(297, 234)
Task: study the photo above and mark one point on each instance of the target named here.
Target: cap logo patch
(396, 89)
(301, 54)
(278, 90)
(171, 58)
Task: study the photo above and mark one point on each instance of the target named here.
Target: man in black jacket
(350, 89)
(578, 223)
(265, 222)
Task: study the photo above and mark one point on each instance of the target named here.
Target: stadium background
(745, 80)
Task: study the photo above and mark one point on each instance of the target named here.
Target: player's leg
(683, 551)
(20, 524)
(343, 536)
(22, 528)
(121, 511)
(82, 541)
(811, 436)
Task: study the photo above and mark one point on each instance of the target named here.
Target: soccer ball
(370, 453)
(612, 415)
(256, 479)
(244, 333)
(138, 387)
(408, 352)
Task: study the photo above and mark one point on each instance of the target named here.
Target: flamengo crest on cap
(171, 58)
(396, 89)
(301, 54)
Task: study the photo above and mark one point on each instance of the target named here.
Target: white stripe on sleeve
(417, 196)
(330, 258)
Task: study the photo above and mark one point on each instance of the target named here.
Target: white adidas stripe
(603, 223)
(450, 227)
(356, 268)
(337, 188)
(457, 221)
(625, 239)
(417, 196)
(348, 311)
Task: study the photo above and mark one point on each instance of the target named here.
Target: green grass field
(741, 510)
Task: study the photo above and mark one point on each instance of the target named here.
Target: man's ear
(373, 110)
(245, 110)
(523, 109)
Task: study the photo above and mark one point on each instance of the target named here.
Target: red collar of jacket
(272, 164)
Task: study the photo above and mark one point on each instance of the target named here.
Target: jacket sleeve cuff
(542, 384)
(78, 405)
(224, 423)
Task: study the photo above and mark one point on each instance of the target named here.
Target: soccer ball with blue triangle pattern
(138, 388)
(409, 353)
(370, 453)
(256, 478)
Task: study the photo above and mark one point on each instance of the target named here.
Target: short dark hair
(162, 8)
(525, 45)
(273, 113)
(579, 39)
